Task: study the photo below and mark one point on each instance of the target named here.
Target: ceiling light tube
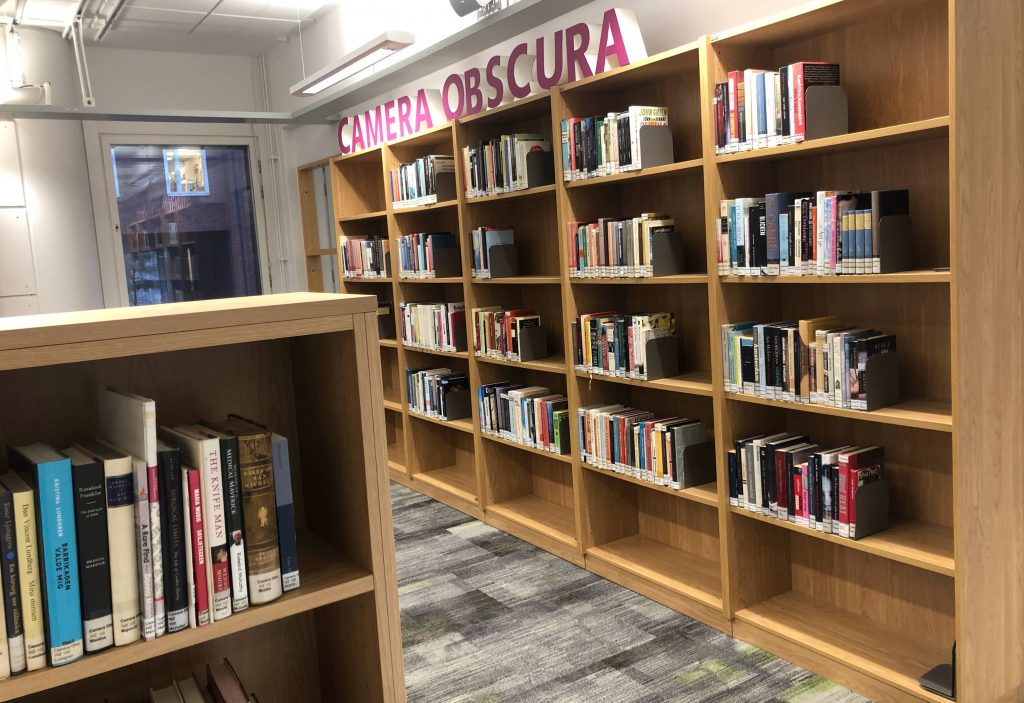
(352, 63)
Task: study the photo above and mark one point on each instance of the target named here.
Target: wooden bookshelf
(880, 611)
(305, 363)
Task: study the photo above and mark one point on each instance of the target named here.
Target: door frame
(100, 136)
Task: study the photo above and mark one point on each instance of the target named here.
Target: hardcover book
(13, 622)
(194, 495)
(285, 513)
(30, 587)
(172, 517)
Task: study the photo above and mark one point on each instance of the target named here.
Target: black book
(769, 476)
(759, 228)
(93, 556)
(784, 95)
(11, 583)
(747, 361)
(733, 471)
(806, 234)
(172, 538)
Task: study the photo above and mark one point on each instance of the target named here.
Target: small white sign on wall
(17, 273)
(12, 194)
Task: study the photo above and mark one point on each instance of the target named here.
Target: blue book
(285, 513)
(734, 220)
(783, 238)
(762, 119)
(49, 473)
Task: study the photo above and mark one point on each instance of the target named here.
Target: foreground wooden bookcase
(307, 365)
(872, 614)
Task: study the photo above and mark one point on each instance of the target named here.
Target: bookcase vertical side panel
(559, 112)
(989, 375)
(310, 240)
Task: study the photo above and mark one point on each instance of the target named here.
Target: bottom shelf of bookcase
(327, 577)
(846, 638)
(543, 516)
(452, 479)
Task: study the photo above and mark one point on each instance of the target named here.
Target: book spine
(93, 556)
(844, 496)
(172, 515)
(28, 578)
(124, 568)
(235, 526)
(13, 618)
(144, 549)
(285, 514)
(258, 498)
(156, 551)
(215, 534)
(55, 508)
(195, 515)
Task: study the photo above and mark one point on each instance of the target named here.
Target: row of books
(787, 476)
(416, 253)
(639, 443)
(818, 360)
(222, 686)
(496, 332)
(428, 390)
(795, 234)
(759, 108)
(433, 326)
(414, 184)
(498, 165)
(613, 247)
(611, 344)
(533, 416)
(483, 239)
(364, 257)
(151, 531)
(606, 144)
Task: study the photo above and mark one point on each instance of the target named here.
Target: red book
(735, 78)
(849, 462)
(799, 509)
(195, 516)
(805, 75)
(781, 477)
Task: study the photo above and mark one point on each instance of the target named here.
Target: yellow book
(28, 570)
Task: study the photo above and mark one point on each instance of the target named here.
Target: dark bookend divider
(667, 253)
(662, 357)
(698, 465)
(447, 262)
(540, 168)
(459, 335)
(872, 508)
(533, 344)
(503, 260)
(444, 185)
(386, 325)
(941, 679)
(895, 248)
(457, 405)
(882, 380)
(655, 146)
(826, 111)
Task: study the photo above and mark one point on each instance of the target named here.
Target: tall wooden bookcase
(873, 614)
(305, 364)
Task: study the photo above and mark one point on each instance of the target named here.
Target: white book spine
(216, 530)
(124, 563)
(157, 553)
(190, 574)
(144, 548)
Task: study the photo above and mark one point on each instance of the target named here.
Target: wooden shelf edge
(435, 478)
(899, 414)
(460, 425)
(699, 494)
(678, 384)
(518, 281)
(512, 510)
(539, 190)
(564, 458)
(673, 169)
(923, 276)
(363, 216)
(447, 279)
(424, 208)
(677, 279)
(880, 544)
(393, 405)
(436, 352)
(555, 365)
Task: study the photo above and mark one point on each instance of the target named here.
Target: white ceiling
(238, 27)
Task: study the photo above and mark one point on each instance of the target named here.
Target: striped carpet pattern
(488, 618)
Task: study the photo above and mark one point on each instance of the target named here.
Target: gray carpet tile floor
(488, 618)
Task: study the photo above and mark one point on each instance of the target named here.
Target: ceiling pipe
(111, 19)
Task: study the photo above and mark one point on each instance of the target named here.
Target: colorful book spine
(26, 540)
(143, 546)
(14, 623)
(59, 549)
(93, 554)
(216, 534)
(156, 549)
(235, 525)
(195, 515)
(285, 514)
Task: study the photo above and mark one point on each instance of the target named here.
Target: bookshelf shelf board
(678, 279)
(460, 425)
(567, 458)
(532, 106)
(518, 281)
(424, 208)
(920, 130)
(539, 190)
(365, 155)
(850, 639)
(915, 542)
(323, 252)
(392, 343)
(327, 577)
(448, 279)
(437, 352)
(706, 494)
(692, 383)
(921, 414)
(553, 364)
(659, 67)
(455, 481)
(924, 276)
(392, 405)
(685, 573)
(543, 516)
(644, 174)
(436, 136)
(363, 216)
(359, 281)
(395, 466)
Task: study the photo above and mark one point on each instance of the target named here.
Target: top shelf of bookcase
(663, 66)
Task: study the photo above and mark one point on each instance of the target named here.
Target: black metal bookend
(540, 168)
(533, 344)
(662, 357)
(503, 260)
(698, 464)
(826, 111)
(459, 335)
(457, 405)
(444, 185)
(667, 253)
(941, 679)
(655, 146)
(386, 325)
(447, 262)
(872, 508)
(895, 246)
(882, 380)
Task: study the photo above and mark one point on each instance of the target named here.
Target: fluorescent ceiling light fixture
(351, 64)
